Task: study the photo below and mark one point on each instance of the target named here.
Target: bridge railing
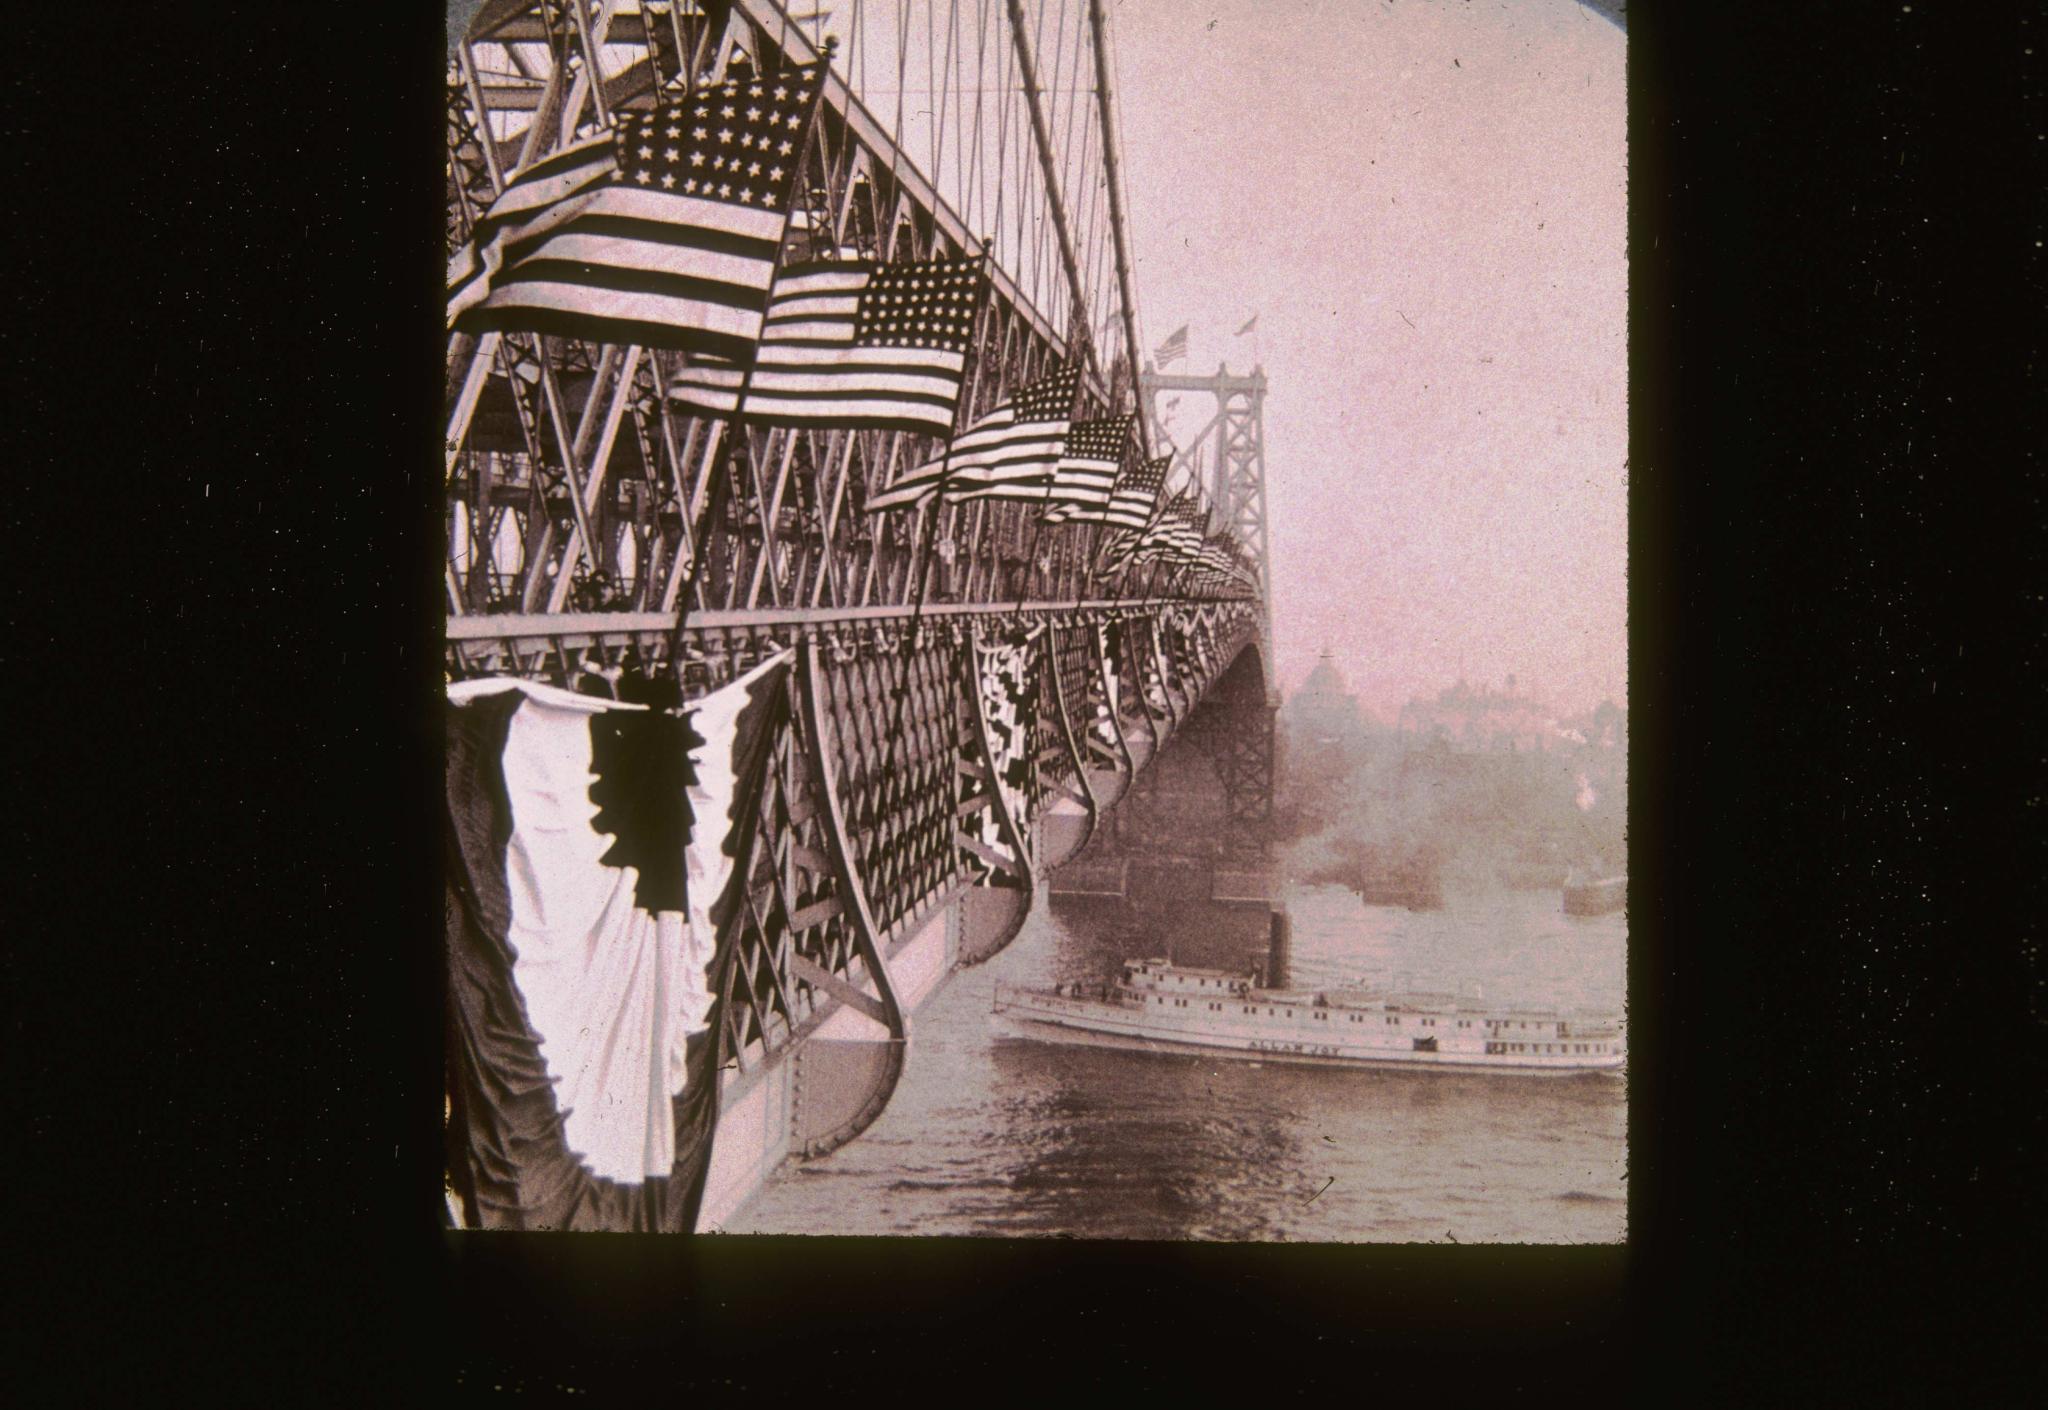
(882, 786)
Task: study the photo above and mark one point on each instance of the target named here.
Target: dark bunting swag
(1109, 645)
(595, 861)
(1009, 703)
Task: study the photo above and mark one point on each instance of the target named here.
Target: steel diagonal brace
(568, 446)
(600, 464)
(858, 915)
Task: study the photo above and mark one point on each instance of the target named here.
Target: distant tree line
(1357, 799)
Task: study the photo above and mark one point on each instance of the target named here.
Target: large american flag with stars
(663, 232)
(1007, 454)
(850, 343)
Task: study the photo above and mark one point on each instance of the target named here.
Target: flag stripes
(1132, 502)
(1087, 469)
(852, 344)
(664, 232)
(1008, 454)
(536, 201)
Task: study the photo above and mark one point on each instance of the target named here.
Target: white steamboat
(1158, 1006)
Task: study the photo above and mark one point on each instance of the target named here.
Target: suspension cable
(1119, 223)
(1043, 142)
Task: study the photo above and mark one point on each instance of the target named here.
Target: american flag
(1131, 503)
(1180, 536)
(1007, 454)
(1137, 494)
(1174, 348)
(853, 344)
(1169, 527)
(1087, 471)
(664, 232)
(1217, 553)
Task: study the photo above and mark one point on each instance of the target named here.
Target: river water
(993, 1135)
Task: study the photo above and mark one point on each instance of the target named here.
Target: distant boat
(1595, 898)
(1418, 891)
(1414, 881)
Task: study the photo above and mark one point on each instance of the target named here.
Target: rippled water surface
(995, 1135)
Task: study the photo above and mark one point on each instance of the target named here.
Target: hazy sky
(1449, 496)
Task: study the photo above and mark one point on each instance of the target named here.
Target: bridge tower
(1190, 849)
(1236, 482)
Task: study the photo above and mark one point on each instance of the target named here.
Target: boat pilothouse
(1157, 1005)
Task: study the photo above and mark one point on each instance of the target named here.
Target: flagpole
(1038, 524)
(735, 422)
(1038, 528)
(928, 529)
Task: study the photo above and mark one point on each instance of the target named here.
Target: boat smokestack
(1279, 949)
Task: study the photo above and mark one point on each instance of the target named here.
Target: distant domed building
(1323, 710)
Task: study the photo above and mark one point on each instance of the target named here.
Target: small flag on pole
(1250, 324)
(664, 231)
(853, 344)
(1173, 349)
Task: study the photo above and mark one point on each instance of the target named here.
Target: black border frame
(1836, 970)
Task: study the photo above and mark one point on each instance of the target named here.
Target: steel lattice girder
(1238, 476)
(551, 407)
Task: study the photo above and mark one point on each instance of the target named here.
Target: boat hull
(1089, 1023)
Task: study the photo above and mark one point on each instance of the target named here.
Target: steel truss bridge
(575, 490)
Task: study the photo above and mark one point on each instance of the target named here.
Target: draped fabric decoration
(1205, 640)
(1153, 665)
(1009, 703)
(1191, 642)
(595, 867)
(1109, 644)
(1173, 644)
